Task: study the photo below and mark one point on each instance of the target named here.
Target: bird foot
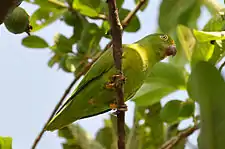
(115, 81)
(114, 106)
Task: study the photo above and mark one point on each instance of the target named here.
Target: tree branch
(117, 55)
(182, 135)
(126, 21)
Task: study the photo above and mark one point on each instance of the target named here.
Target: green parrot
(94, 96)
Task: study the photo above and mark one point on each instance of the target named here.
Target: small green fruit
(69, 18)
(18, 21)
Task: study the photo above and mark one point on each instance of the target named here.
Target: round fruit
(69, 18)
(18, 21)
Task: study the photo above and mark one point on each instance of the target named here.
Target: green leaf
(70, 18)
(143, 6)
(134, 24)
(53, 60)
(159, 84)
(44, 16)
(119, 3)
(216, 23)
(178, 12)
(5, 142)
(191, 15)
(202, 52)
(202, 36)
(168, 74)
(58, 4)
(34, 41)
(187, 40)
(170, 111)
(105, 137)
(187, 109)
(218, 53)
(69, 63)
(87, 7)
(62, 43)
(76, 137)
(142, 135)
(207, 86)
(90, 38)
(149, 94)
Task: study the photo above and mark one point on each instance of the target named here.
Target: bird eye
(164, 37)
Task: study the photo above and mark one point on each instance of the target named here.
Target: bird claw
(122, 108)
(115, 81)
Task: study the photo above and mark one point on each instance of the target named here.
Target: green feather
(91, 97)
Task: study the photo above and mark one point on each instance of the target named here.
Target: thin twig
(86, 68)
(182, 135)
(129, 17)
(117, 55)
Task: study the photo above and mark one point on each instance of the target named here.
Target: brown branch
(86, 68)
(182, 135)
(117, 55)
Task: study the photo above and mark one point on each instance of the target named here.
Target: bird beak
(171, 50)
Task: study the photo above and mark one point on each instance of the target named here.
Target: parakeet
(94, 95)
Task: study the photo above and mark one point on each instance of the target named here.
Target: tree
(155, 125)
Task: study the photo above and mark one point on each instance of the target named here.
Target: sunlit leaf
(203, 36)
(87, 7)
(5, 142)
(44, 16)
(216, 23)
(202, 52)
(186, 39)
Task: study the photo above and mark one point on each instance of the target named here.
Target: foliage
(5, 142)
(193, 70)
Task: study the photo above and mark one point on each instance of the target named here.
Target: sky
(29, 89)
